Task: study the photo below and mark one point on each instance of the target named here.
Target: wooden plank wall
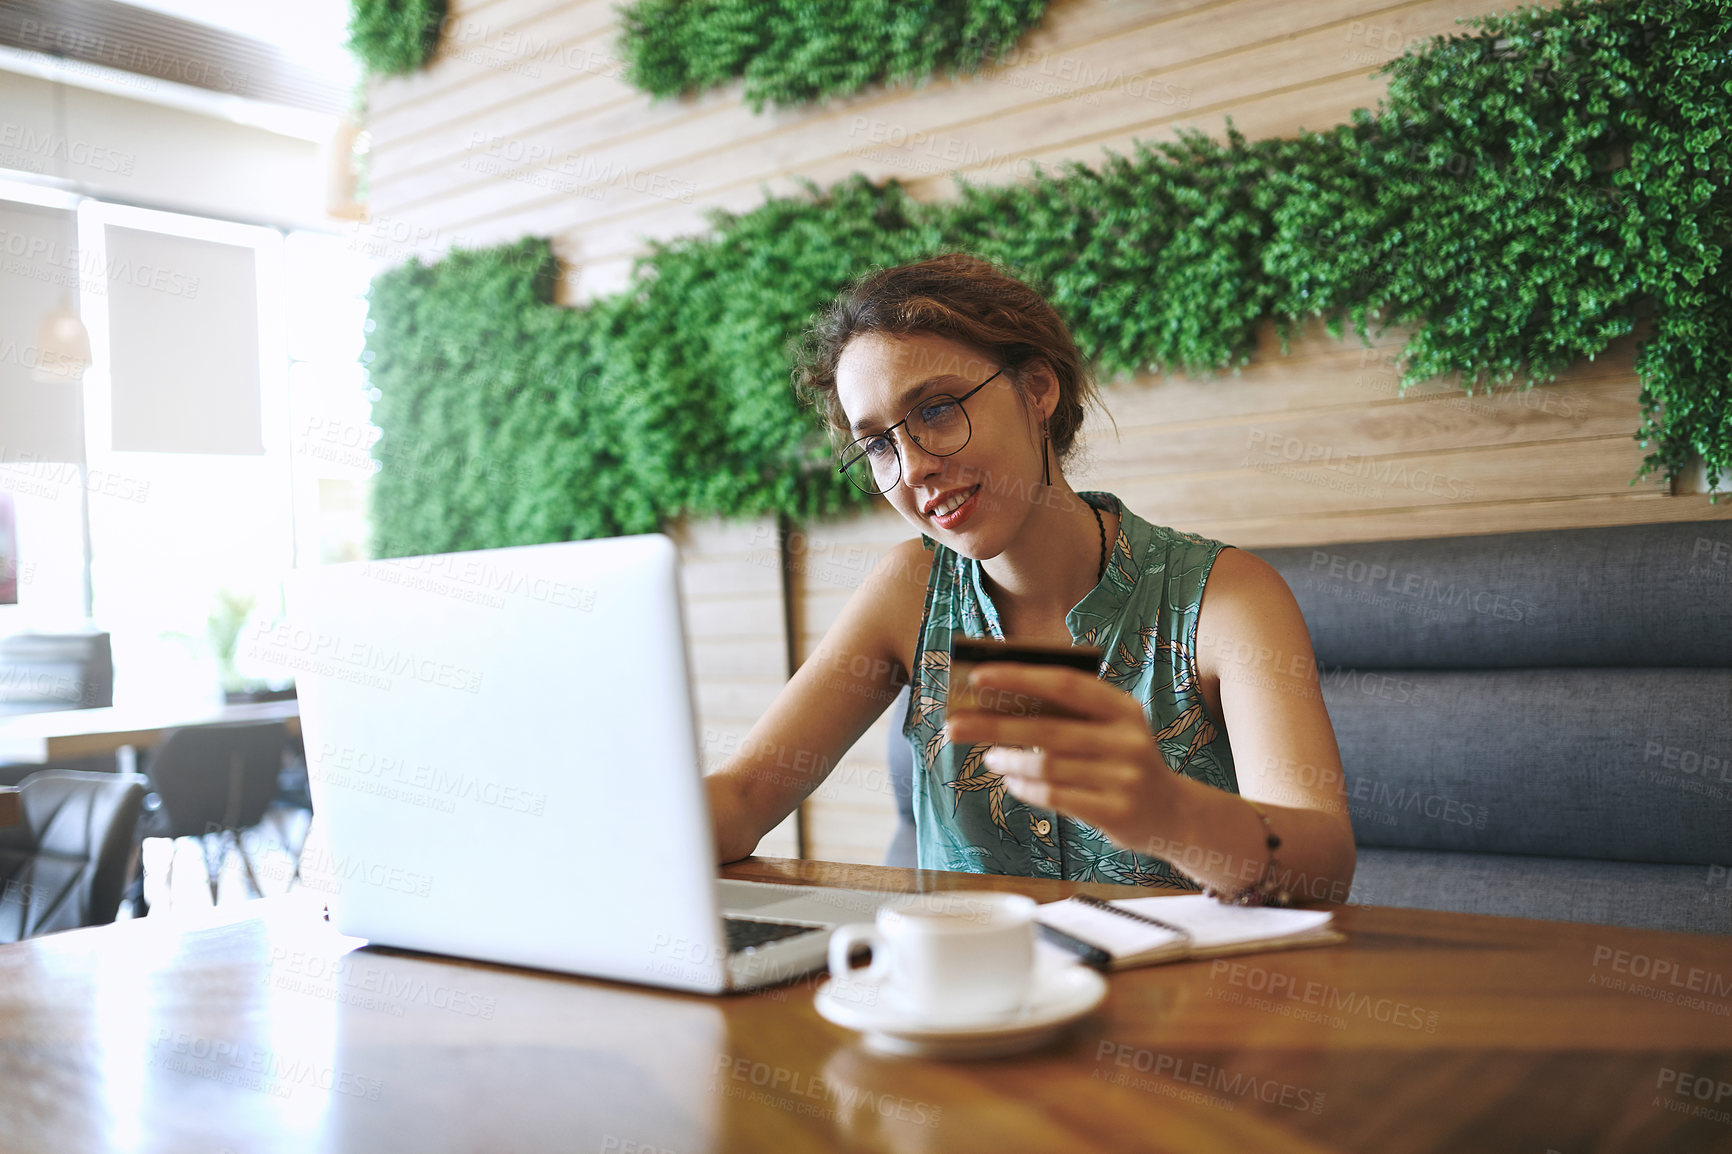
(523, 125)
(731, 583)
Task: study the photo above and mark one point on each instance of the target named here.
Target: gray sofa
(1531, 724)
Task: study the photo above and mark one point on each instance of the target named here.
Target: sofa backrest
(1630, 595)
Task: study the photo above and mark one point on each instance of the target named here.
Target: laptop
(503, 757)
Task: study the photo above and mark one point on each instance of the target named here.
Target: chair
(294, 795)
(212, 781)
(901, 758)
(65, 866)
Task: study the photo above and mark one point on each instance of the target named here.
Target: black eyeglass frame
(848, 461)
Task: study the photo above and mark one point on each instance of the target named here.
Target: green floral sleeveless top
(1143, 616)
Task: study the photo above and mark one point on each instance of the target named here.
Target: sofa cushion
(1659, 897)
(1631, 595)
(1622, 764)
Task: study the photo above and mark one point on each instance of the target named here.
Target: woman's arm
(833, 698)
(1253, 645)
(1253, 648)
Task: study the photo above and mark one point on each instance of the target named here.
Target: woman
(1201, 754)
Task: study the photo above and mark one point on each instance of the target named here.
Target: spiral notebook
(1143, 931)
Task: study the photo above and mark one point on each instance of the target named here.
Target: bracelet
(1265, 891)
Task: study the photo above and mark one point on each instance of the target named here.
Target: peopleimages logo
(44, 259)
(1692, 979)
(33, 477)
(1445, 809)
(525, 47)
(354, 978)
(1278, 987)
(131, 55)
(570, 171)
(1278, 450)
(1233, 1086)
(807, 1094)
(1696, 1095)
(318, 863)
(947, 151)
(22, 145)
(253, 1067)
(1331, 572)
(435, 787)
(358, 662)
(451, 574)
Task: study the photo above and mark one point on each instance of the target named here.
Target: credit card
(967, 652)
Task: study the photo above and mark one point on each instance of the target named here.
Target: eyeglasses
(938, 424)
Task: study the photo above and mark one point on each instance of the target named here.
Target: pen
(1091, 955)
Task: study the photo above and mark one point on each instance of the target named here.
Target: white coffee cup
(952, 955)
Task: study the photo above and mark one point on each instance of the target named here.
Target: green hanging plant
(394, 36)
(792, 52)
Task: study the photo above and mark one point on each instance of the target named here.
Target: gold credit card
(967, 652)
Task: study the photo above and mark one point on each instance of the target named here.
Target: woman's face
(975, 500)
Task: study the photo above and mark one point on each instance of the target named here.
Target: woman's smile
(950, 509)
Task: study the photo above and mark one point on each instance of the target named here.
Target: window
(225, 436)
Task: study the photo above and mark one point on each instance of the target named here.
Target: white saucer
(1060, 995)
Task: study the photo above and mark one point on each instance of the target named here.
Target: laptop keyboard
(744, 933)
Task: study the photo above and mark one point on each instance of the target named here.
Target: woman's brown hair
(961, 297)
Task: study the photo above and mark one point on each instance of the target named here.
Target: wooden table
(262, 1030)
(69, 733)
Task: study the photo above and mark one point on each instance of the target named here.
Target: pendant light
(62, 346)
(62, 342)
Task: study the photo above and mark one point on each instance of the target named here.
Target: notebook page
(1213, 924)
(1120, 937)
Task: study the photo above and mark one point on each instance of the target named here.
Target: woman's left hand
(1101, 766)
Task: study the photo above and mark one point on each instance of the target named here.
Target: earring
(1045, 458)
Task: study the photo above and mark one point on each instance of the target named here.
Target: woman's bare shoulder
(905, 565)
(896, 586)
(1237, 573)
(893, 596)
(1248, 602)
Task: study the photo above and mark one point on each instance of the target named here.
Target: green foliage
(1525, 194)
(796, 51)
(509, 419)
(392, 36)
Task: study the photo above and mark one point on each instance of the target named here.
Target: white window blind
(183, 319)
(40, 421)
